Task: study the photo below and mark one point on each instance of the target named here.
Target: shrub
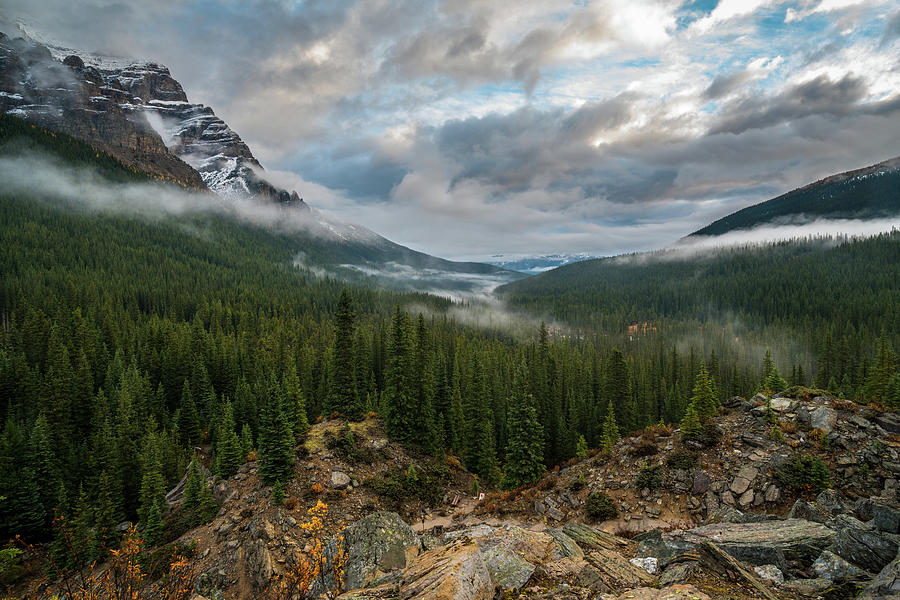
(349, 446)
(649, 477)
(682, 459)
(775, 434)
(804, 473)
(426, 483)
(278, 494)
(644, 448)
(600, 507)
(578, 483)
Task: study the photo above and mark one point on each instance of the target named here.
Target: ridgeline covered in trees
(126, 344)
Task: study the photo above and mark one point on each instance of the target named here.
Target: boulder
(822, 417)
(675, 592)
(649, 564)
(455, 571)
(809, 511)
(887, 518)
(339, 480)
(864, 509)
(700, 484)
(259, 563)
(769, 573)
(590, 538)
(766, 542)
(567, 546)
(615, 571)
(890, 422)
(870, 550)
(375, 545)
(832, 502)
(832, 567)
(886, 584)
(678, 573)
(509, 571)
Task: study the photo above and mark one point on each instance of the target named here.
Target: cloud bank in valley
(466, 128)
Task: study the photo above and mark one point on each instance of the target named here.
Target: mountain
(138, 113)
(867, 193)
(532, 265)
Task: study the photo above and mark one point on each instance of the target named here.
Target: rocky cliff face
(716, 521)
(134, 110)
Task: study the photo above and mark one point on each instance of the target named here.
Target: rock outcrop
(134, 110)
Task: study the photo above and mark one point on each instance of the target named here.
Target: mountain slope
(867, 193)
(138, 113)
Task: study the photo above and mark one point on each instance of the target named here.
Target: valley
(212, 389)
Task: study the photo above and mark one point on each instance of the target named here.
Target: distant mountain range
(867, 193)
(533, 265)
(137, 112)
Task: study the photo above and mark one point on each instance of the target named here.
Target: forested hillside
(869, 193)
(126, 344)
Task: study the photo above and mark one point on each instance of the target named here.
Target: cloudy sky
(467, 128)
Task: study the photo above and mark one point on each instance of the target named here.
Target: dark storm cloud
(819, 96)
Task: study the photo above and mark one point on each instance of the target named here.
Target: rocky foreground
(713, 522)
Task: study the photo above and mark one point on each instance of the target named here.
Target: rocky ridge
(134, 110)
(724, 527)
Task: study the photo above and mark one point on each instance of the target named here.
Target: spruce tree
(581, 448)
(525, 448)
(195, 480)
(246, 440)
(296, 404)
(610, 429)
(189, 418)
(343, 397)
(153, 484)
(276, 444)
(704, 398)
(774, 381)
(617, 388)
(153, 528)
(691, 428)
(229, 454)
(400, 410)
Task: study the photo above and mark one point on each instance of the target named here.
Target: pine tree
(229, 455)
(617, 389)
(107, 515)
(278, 494)
(581, 449)
(423, 389)
(29, 514)
(704, 398)
(153, 484)
(879, 376)
(691, 428)
(246, 440)
(343, 397)
(610, 429)
(44, 463)
(768, 364)
(276, 444)
(399, 406)
(192, 487)
(153, 525)
(774, 381)
(525, 448)
(296, 404)
(189, 418)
